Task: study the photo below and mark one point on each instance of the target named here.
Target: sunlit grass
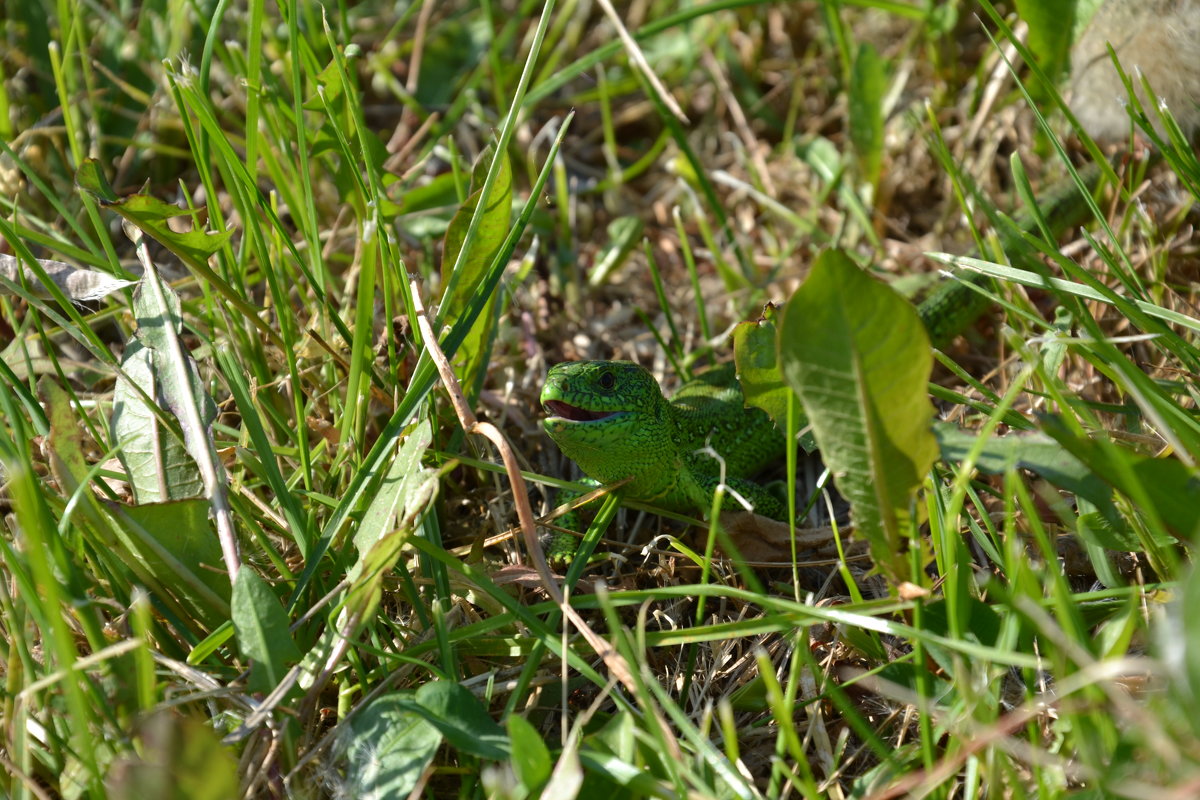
(1036, 642)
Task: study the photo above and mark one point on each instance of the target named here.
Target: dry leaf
(527, 577)
(910, 591)
(78, 284)
(761, 539)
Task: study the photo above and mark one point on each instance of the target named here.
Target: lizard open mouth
(574, 413)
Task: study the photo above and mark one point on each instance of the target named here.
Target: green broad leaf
(427, 209)
(178, 758)
(979, 622)
(567, 779)
(489, 236)
(613, 762)
(182, 528)
(160, 465)
(439, 193)
(193, 248)
(750, 696)
(617, 774)
(261, 626)
(155, 459)
(530, 757)
(403, 497)
(857, 356)
(1050, 29)
(1169, 487)
(756, 356)
(463, 720)
(426, 225)
(151, 214)
(398, 499)
(90, 178)
(624, 233)
(166, 547)
(1109, 533)
(1099, 522)
(384, 749)
(942, 21)
(313, 662)
(618, 736)
(1035, 452)
(868, 85)
(451, 53)
(1084, 11)
(332, 97)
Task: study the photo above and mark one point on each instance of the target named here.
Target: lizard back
(711, 409)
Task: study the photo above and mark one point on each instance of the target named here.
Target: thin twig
(639, 60)
(401, 134)
(30, 784)
(977, 739)
(738, 116)
(612, 659)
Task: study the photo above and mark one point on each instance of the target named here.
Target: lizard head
(609, 417)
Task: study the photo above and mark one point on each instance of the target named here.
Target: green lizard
(613, 420)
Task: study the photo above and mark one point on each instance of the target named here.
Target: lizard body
(613, 420)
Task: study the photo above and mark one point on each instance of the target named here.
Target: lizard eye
(607, 380)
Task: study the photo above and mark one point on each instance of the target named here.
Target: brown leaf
(526, 576)
(79, 285)
(765, 540)
(910, 591)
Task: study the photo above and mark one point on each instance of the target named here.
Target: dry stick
(410, 144)
(263, 767)
(740, 123)
(263, 712)
(471, 424)
(414, 76)
(612, 659)
(414, 63)
(28, 781)
(639, 60)
(922, 782)
(908, 785)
